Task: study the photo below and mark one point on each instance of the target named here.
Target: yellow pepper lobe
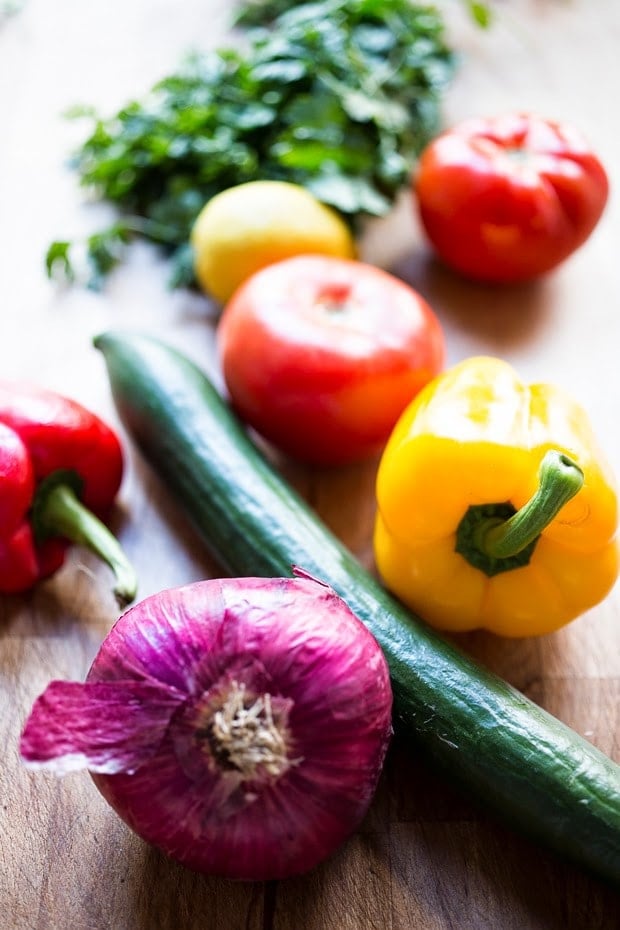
(475, 439)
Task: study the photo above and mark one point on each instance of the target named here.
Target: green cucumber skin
(502, 749)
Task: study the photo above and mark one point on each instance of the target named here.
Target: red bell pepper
(60, 470)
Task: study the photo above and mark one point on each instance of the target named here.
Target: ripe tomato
(508, 198)
(321, 355)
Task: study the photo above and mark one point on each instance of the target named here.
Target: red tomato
(509, 198)
(321, 355)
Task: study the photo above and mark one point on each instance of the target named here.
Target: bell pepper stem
(62, 514)
(560, 479)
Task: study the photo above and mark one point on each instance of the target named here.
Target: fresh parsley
(336, 95)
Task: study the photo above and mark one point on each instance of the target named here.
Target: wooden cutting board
(425, 858)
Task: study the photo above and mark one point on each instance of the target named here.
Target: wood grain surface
(425, 858)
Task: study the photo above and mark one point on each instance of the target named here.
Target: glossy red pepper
(60, 470)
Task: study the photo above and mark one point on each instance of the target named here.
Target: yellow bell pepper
(496, 508)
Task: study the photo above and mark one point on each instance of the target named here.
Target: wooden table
(424, 859)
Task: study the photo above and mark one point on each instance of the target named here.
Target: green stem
(559, 480)
(60, 513)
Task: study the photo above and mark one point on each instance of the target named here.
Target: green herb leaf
(182, 263)
(105, 251)
(57, 260)
(350, 195)
(480, 12)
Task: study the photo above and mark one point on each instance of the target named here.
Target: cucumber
(499, 747)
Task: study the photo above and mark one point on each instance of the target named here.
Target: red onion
(240, 725)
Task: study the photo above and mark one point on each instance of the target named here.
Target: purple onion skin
(294, 639)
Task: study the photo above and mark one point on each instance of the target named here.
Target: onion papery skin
(294, 639)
